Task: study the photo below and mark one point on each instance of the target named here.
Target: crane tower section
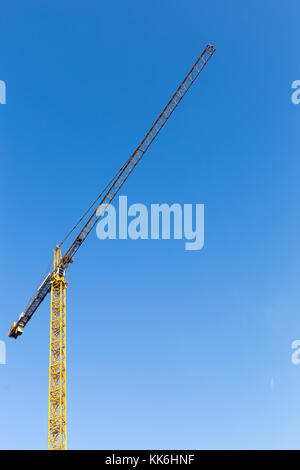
(57, 419)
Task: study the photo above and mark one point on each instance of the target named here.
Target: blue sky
(166, 348)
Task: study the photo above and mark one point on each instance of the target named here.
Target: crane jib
(113, 188)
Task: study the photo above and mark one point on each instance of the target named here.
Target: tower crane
(55, 281)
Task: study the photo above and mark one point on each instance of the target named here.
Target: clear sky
(167, 348)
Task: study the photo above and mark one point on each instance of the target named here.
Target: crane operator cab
(60, 272)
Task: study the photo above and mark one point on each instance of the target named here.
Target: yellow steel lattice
(57, 423)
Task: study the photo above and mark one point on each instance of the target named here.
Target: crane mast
(55, 281)
(57, 419)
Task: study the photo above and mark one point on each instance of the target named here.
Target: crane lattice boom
(113, 188)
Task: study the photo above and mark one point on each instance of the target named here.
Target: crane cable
(88, 210)
(97, 199)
